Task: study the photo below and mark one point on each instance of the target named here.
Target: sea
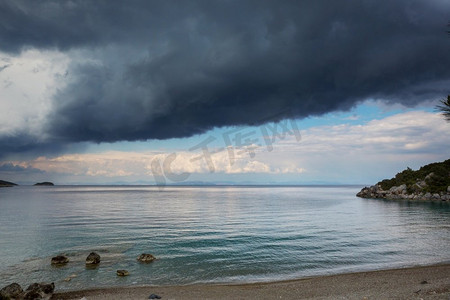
(210, 234)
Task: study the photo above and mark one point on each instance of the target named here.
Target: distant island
(6, 183)
(45, 183)
(429, 183)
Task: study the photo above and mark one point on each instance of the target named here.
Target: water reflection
(212, 234)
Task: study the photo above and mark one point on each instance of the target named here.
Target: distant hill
(6, 183)
(45, 183)
(430, 182)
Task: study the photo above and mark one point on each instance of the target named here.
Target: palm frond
(444, 108)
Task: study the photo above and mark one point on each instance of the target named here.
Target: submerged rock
(93, 259)
(60, 260)
(122, 273)
(67, 279)
(11, 291)
(146, 258)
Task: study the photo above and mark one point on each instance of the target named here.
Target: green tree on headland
(444, 107)
(435, 175)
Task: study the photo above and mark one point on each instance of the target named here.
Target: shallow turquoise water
(211, 234)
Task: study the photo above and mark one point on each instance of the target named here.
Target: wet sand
(426, 282)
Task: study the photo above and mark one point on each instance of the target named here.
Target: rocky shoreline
(45, 290)
(401, 193)
(34, 291)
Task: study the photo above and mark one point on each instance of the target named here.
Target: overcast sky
(223, 91)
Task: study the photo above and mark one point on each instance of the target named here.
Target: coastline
(421, 282)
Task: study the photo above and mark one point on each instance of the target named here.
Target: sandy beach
(425, 282)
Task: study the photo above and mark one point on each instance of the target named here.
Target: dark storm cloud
(173, 69)
(25, 146)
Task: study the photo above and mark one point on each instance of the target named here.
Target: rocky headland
(429, 183)
(45, 183)
(6, 183)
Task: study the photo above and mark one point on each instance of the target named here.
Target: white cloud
(372, 151)
(342, 153)
(27, 85)
(395, 133)
(119, 163)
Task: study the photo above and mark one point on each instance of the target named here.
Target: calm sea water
(210, 234)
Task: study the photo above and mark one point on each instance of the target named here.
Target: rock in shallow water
(146, 258)
(93, 259)
(47, 288)
(32, 295)
(59, 260)
(11, 291)
(34, 291)
(39, 290)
